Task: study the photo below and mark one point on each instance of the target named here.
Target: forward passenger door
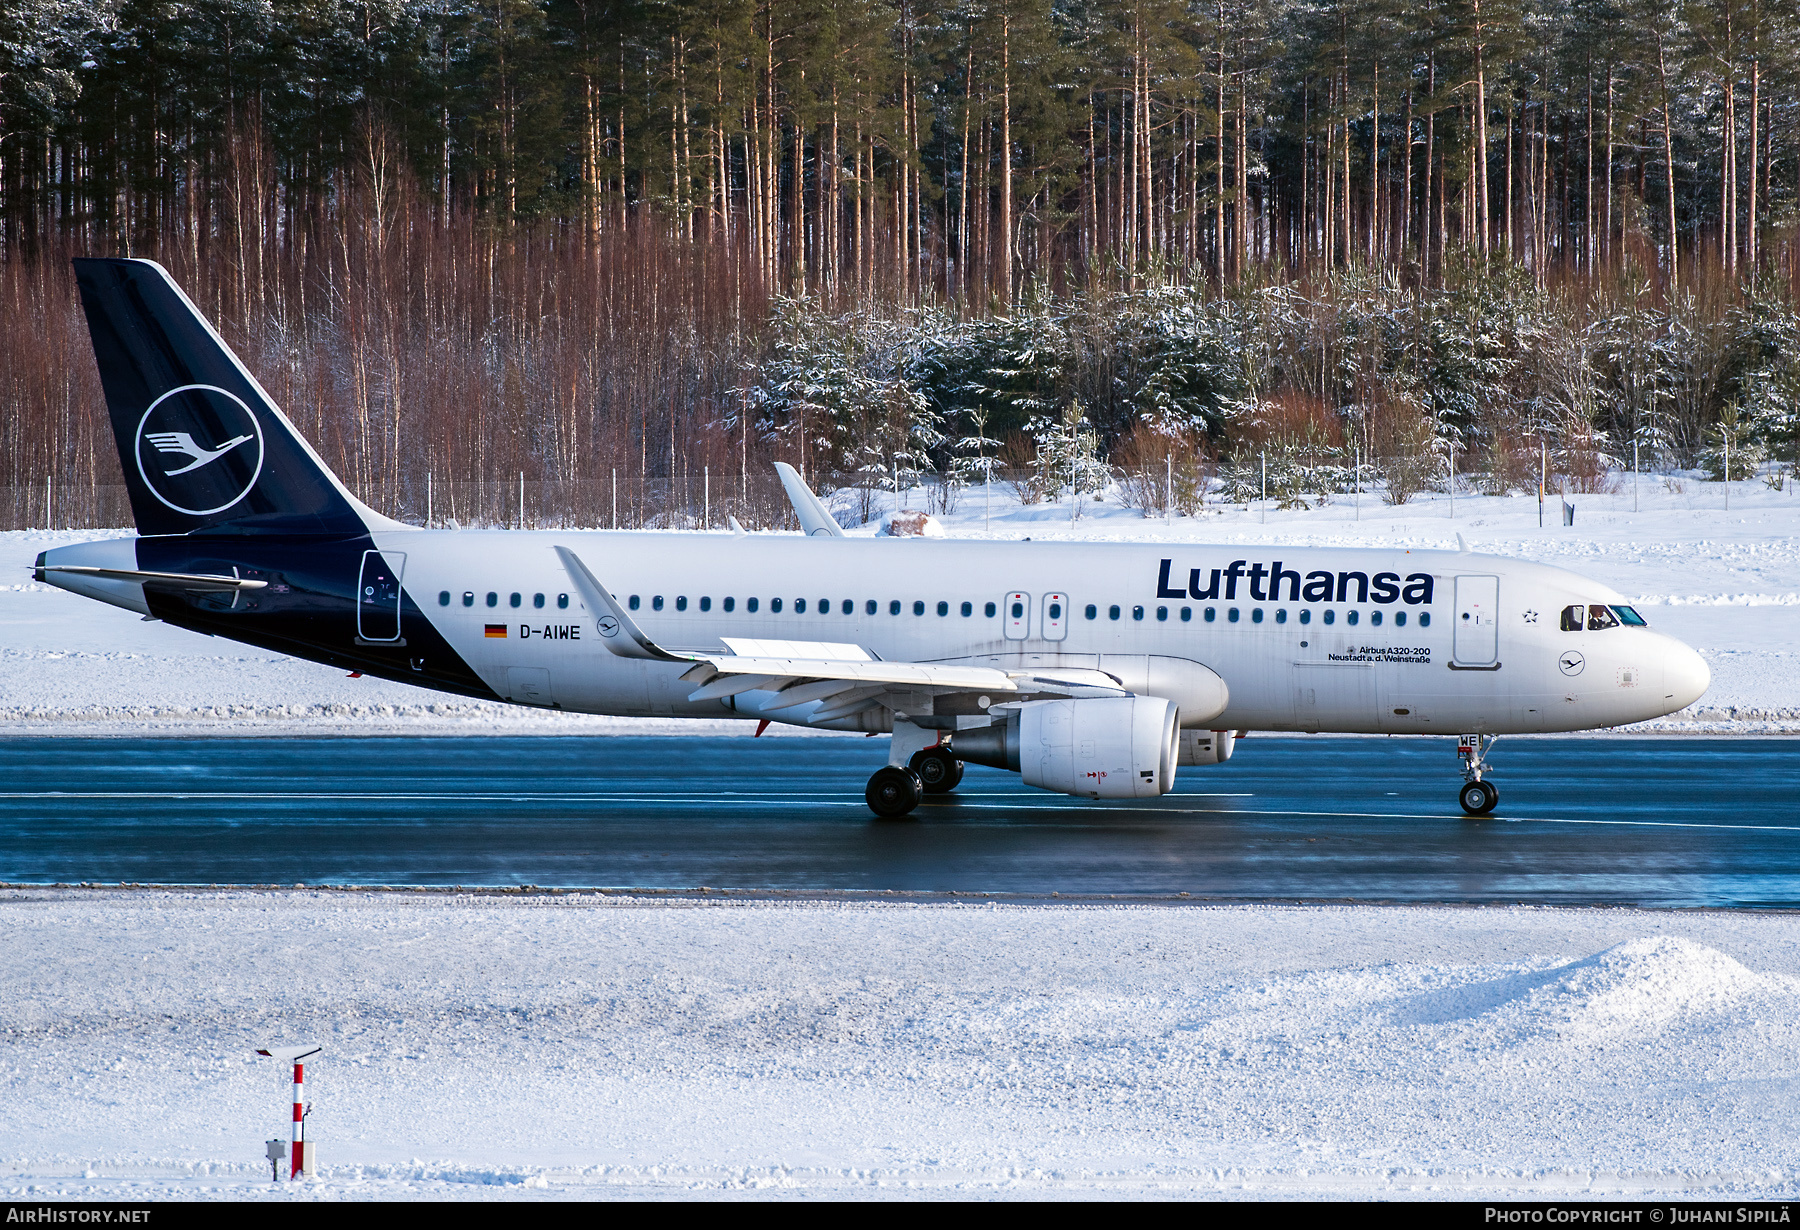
(1476, 641)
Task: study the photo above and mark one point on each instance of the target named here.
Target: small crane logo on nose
(1571, 663)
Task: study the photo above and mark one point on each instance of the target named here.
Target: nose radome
(1685, 676)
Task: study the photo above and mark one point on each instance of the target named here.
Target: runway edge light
(302, 1162)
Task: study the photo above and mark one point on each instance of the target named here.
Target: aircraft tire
(893, 792)
(937, 769)
(1479, 798)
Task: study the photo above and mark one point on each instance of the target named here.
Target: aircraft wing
(847, 677)
(846, 685)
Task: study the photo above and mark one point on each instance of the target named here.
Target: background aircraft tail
(202, 444)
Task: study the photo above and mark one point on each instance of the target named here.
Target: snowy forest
(600, 262)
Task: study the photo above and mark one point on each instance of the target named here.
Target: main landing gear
(894, 791)
(1477, 797)
(937, 769)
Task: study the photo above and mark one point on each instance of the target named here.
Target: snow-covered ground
(584, 1046)
(1726, 582)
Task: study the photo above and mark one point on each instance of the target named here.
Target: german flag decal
(498, 630)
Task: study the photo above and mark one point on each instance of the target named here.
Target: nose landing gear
(1477, 797)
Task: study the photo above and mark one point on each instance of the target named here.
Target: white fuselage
(1343, 642)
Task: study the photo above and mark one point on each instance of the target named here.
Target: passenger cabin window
(943, 609)
(468, 598)
(730, 605)
(849, 607)
(775, 605)
(656, 603)
(1256, 615)
(537, 601)
(1092, 611)
(1137, 612)
(990, 609)
(799, 606)
(1187, 614)
(517, 599)
(681, 602)
(750, 605)
(1305, 617)
(444, 597)
(968, 609)
(631, 602)
(562, 602)
(705, 604)
(871, 606)
(918, 608)
(894, 607)
(493, 599)
(1112, 612)
(1211, 614)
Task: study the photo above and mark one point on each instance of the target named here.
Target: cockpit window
(1572, 618)
(1601, 617)
(1629, 617)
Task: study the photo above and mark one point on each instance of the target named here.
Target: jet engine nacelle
(1207, 746)
(1123, 747)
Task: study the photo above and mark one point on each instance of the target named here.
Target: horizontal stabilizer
(197, 582)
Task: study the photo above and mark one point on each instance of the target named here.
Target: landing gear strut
(1477, 797)
(893, 792)
(937, 769)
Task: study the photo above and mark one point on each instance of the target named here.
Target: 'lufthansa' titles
(1273, 583)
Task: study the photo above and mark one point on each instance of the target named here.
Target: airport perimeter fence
(699, 501)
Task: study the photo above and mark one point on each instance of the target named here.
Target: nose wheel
(1478, 797)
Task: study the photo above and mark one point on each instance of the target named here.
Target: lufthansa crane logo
(199, 449)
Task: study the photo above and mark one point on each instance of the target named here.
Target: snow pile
(1633, 988)
(611, 1046)
(1642, 985)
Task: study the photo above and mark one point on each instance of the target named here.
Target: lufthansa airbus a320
(1090, 669)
